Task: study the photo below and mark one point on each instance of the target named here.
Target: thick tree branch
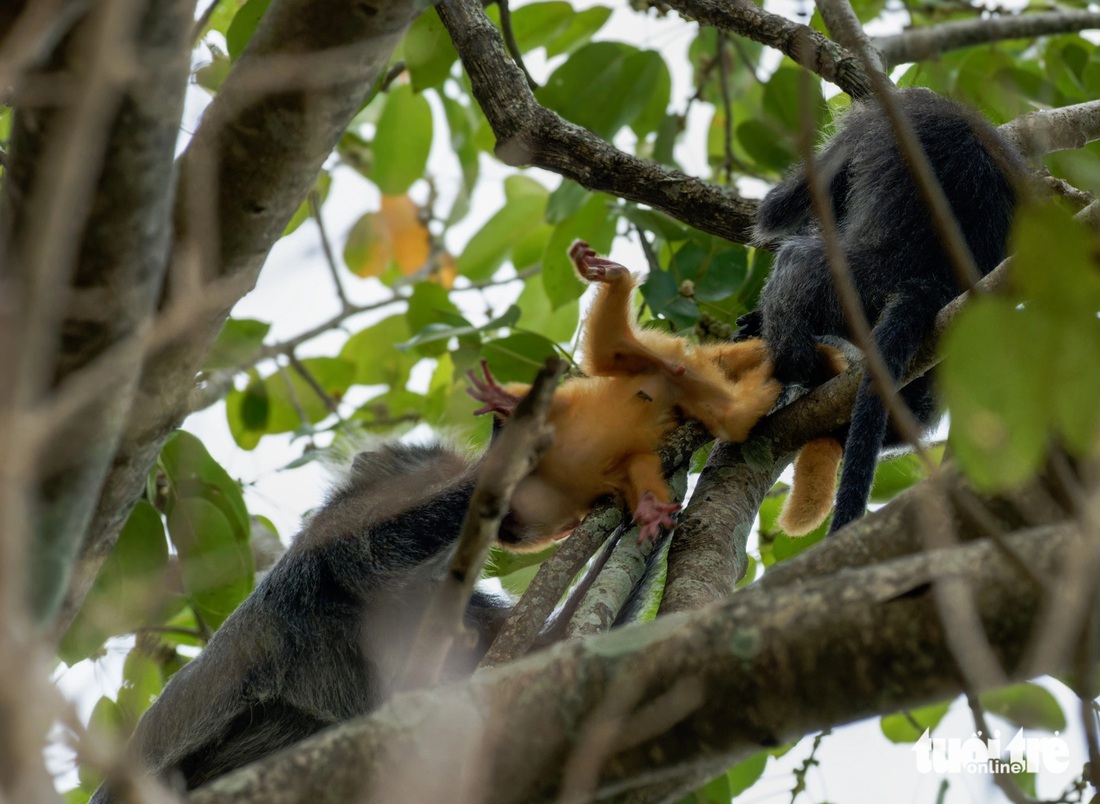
(918, 44)
(257, 153)
(88, 208)
(528, 134)
(1052, 130)
(770, 667)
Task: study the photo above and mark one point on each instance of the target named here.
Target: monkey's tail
(811, 494)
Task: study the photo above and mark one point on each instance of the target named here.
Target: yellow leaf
(445, 271)
(408, 236)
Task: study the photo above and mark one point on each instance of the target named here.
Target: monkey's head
(540, 515)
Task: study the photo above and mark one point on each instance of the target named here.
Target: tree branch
(918, 44)
(528, 134)
(770, 667)
(257, 152)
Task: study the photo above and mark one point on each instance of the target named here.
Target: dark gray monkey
(900, 269)
(324, 636)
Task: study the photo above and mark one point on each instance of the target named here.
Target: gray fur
(900, 270)
(323, 637)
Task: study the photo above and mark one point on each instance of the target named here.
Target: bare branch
(801, 43)
(919, 44)
(1051, 130)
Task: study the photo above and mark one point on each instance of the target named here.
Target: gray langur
(899, 267)
(324, 636)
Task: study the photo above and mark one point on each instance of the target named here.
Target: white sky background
(295, 292)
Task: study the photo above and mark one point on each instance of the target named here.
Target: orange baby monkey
(609, 425)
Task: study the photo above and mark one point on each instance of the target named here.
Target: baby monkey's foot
(495, 397)
(593, 268)
(653, 515)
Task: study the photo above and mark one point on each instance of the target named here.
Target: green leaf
(559, 325)
(193, 473)
(517, 357)
(787, 93)
(538, 24)
(604, 86)
(248, 412)
(244, 25)
(582, 26)
(594, 223)
(908, 726)
(653, 88)
(429, 304)
(992, 378)
(429, 52)
(216, 566)
(1026, 705)
(896, 475)
(402, 141)
(211, 76)
(1054, 266)
(785, 546)
(490, 247)
(760, 142)
(290, 395)
(746, 773)
(107, 727)
(141, 684)
(504, 562)
(129, 590)
(462, 122)
(238, 341)
(462, 329)
(668, 229)
(305, 209)
(374, 357)
(662, 292)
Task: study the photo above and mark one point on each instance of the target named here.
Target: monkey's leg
(901, 328)
(648, 495)
(799, 303)
(610, 346)
(736, 358)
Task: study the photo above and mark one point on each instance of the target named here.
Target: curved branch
(529, 134)
(805, 46)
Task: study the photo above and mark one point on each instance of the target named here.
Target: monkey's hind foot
(496, 398)
(652, 515)
(593, 268)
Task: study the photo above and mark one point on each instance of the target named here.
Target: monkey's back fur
(324, 635)
(900, 269)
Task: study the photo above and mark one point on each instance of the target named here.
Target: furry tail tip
(811, 495)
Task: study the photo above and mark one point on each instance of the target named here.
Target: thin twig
(510, 41)
(326, 246)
